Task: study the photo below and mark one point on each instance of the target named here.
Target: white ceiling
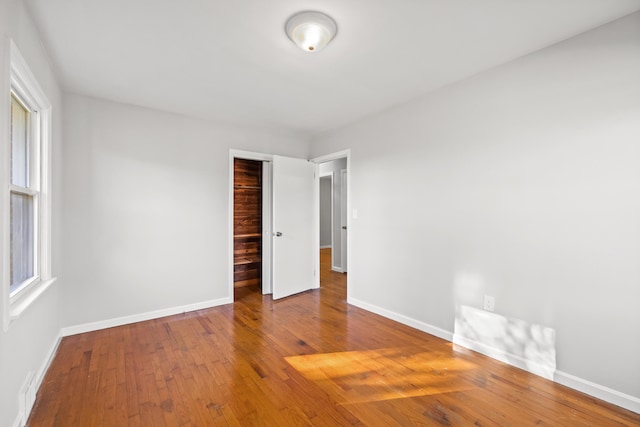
(231, 60)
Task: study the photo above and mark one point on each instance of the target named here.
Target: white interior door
(293, 226)
(343, 218)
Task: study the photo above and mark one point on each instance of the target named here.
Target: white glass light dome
(311, 31)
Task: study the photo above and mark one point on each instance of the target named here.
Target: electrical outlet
(489, 303)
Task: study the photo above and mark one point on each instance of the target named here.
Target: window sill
(20, 304)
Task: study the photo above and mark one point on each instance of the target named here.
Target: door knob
(344, 227)
(277, 234)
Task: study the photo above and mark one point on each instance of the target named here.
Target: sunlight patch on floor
(384, 374)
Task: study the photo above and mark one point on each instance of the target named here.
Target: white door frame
(267, 224)
(266, 219)
(322, 159)
(344, 213)
(331, 179)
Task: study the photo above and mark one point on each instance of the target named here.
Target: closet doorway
(275, 253)
(247, 224)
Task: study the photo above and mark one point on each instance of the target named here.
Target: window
(26, 174)
(23, 198)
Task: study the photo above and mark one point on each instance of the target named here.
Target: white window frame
(24, 85)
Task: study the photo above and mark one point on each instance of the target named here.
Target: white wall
(325, 211)
(334, 167)
(525, 178)
(146, 207)
(26, 346)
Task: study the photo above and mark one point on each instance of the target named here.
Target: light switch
(355, 214)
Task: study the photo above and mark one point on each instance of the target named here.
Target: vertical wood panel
(247, 222)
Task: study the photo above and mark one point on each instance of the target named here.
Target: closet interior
(247, 223)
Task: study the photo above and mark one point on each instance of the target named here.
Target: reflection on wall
(519, 343)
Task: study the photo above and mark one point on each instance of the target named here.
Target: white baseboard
(505, 357)
(19, 422)
(607, 394)
(424, 327)
(337, 270)
(325, 247)
(125, 320)
(47, 362)
(615, 397)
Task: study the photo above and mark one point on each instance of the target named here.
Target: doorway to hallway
(333, 196)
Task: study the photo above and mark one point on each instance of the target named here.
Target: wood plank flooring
(308, 360)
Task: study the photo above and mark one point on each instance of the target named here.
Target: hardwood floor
(310, 359)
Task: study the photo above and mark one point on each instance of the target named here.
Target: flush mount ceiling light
(311, 31)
